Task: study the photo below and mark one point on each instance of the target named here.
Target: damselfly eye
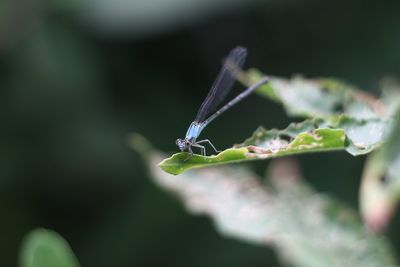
(181, 144)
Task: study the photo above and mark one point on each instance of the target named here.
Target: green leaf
(46, 248)
(304, 227)
(181, 162)
(262, 145)
(357, 137)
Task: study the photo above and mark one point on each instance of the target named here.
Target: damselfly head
(181, 143)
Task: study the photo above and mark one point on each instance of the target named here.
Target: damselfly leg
(209, 142)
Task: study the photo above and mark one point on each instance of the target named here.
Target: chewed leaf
(364, 135)
(317, 140)
(357, 137)
(361, 136)
(263, 144)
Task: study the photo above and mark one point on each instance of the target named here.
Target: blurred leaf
(304, 227)
(318, 97)
(45, 248)
(302, 97)
(380, 190)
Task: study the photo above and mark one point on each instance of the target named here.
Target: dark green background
(72, 89)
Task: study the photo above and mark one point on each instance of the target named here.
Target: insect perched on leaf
(218, 92)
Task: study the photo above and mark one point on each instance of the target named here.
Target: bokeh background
(76, 77)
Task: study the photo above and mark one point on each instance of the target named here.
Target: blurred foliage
(380, 190)
(306, 228)
(76, 77)
(45, 248)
